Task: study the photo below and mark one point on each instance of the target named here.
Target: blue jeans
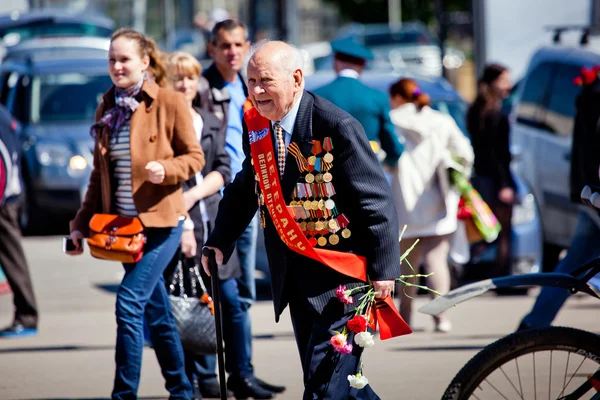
(584, 248)
(246, 249)
(237, 335)
(142, 294)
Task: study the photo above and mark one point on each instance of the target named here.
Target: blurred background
(53, 72)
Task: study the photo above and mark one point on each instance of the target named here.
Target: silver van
(542, 127)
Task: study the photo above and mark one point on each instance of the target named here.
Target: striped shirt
(120, 157)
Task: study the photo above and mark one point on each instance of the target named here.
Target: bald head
(275, 79)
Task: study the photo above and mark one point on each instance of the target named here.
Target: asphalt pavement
(72, 355)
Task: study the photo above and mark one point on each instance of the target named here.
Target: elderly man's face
(272, 89)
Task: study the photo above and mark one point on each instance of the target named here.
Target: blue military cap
(352, 48)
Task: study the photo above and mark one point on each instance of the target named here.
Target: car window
(533, 95)
(55, 29)
(399, 37)
(17, 99)
(67, 97)
(558, 116)
(4, 88)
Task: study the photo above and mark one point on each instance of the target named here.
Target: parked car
(53, 99)
(18, 26)
(407, 47)
(60, 46)
(542, 126)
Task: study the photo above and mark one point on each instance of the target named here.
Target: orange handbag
(116, 238)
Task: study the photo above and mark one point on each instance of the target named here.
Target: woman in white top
(425, 200)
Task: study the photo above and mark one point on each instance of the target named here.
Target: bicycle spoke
(550, 377)
(510, 381)
(534, 379)
(519, 375)
(574, 373)
(565, 378)
(493, 387)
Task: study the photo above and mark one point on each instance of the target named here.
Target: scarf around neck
(125, 105)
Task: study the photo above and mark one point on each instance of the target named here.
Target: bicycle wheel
(546, 363)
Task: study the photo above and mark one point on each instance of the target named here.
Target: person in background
(489, 129)
(585, 159)
(425, 200)
(228, 47)
(145, 146)
(369, 106)
(12, 257)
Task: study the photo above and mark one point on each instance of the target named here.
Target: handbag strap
(177, 280)
(198, 278)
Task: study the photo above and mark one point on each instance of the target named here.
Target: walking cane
(214, 279)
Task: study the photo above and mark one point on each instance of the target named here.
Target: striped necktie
(280, 149)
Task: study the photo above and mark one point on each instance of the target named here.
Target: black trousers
(325, 371)
(14, 265)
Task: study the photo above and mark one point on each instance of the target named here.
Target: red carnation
(578, 81)
(358, 324)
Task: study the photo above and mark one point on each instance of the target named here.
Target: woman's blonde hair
(148, 48)
(181, 63)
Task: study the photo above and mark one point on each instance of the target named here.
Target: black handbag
(194, 313)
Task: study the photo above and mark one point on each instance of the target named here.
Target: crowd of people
(175, 147)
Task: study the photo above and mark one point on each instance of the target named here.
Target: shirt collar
(349, 73)
(287, 123)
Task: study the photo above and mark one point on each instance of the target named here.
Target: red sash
(391, 323)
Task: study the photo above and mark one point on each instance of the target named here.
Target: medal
(309, 178)
(333, 225)
(328, 146)
(343, 222)
(319, 225)
(327, 177)
(329, 204)
(307, 205)
(334, 239)
(302, 226)
(312, 160)
(293, 203)
(319, 178)
(321, 205)
(310, 226)
(322, 241)
(294, 150)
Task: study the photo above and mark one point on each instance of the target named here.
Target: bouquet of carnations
(362, 320)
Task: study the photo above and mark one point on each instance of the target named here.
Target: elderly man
(301, 149)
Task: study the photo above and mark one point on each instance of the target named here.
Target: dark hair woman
(489, 129)
(145, 146)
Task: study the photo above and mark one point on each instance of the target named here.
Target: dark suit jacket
(370, 107)
(362, 194)
(217, 159)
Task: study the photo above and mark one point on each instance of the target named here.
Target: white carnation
(364, 339)
(358, 381)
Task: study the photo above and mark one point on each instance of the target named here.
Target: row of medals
(325, 204)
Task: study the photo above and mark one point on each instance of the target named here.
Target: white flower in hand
(364, 339)
(358, 381)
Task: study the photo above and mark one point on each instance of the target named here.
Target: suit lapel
(302, 136)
